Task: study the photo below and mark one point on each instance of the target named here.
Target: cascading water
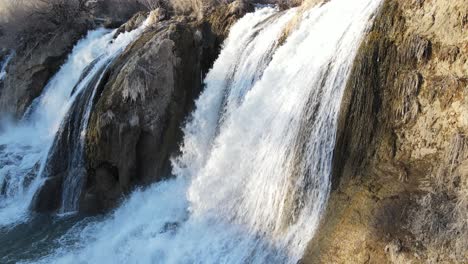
(254, 174)
(67, 152)
(24, 147)
(4, 64)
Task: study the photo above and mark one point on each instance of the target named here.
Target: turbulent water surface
(254, 174)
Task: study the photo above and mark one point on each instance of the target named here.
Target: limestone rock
(32, 67)
(132, 24)
(398, 184)
(139, 108)
(134, 127)
(136, 124)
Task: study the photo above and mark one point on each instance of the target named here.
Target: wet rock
(33, 65)
(49, 196)
(136, 124)
(214, 28)
(66, 158)
(3, 53)
(132, 24)
(221, 18)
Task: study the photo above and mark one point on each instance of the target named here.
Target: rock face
(136, 124)
(400, 179)
(65, 167)
(3, 54)
(32, 67)
(139, 109)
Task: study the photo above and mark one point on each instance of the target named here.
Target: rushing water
(4, 64)
(24, 146)
(254, 175)
(67, 152)
(253, 178)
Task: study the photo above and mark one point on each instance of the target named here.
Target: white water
(73, 180)
(24, 146)
(254, 176)
(4, 64)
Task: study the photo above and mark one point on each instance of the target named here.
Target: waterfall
(253, 178)
(4, 64)
(25, 146)
(67, 152)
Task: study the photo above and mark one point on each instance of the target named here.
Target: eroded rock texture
(136, 123)
(32, 67)
(141, 104)
(134, 127)
(400, 180)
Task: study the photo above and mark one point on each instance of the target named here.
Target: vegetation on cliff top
(23, 21)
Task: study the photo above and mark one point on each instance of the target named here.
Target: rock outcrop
(400, 180)
(140, 107)
(136, 124)
(33, 65)
(3, 54)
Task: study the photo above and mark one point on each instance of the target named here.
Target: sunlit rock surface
(400, 163)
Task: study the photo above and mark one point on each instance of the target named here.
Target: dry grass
(26, 21)
(23, 21)
(441, 220)
(121, 9)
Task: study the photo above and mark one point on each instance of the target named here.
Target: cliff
(400, 163)
(400, 177)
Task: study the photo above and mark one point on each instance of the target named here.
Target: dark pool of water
(38, 237)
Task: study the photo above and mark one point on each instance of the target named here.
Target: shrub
(25, 21)
(440, 220)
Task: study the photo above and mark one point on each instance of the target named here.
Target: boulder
(133, 23)
(136, 123)
(49, 196)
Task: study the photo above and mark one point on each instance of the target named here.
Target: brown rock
(136, 125)
(33, 66)
(139, 109)
(401, 143)
(49, 196)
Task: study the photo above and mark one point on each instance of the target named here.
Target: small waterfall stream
(67, 152)
(253, 178)
(25, 146)
(4, 64)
